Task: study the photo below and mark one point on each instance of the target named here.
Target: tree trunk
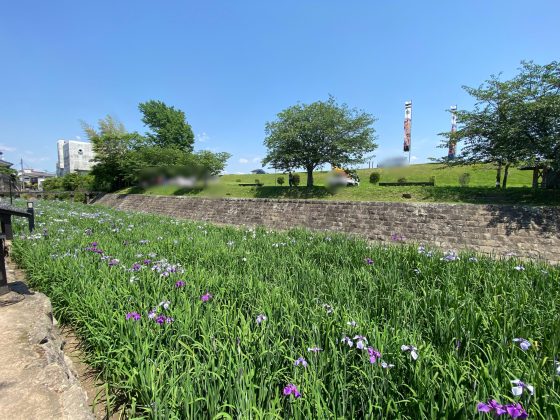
(504, 183)
(499, 175)
(309, 176)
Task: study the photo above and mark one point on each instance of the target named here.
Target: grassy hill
(447, 189)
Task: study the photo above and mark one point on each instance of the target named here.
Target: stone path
(37, 381)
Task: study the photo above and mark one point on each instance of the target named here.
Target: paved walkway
(37, 381)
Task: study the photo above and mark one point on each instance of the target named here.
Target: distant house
(74, 156)
(4, 163)
(258, 171)
(34, 177)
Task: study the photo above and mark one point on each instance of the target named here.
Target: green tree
(112, 144)
(539, 115)
(52, 184)
(168, 126)
(211, 163)
(76, 181)
(307, 136)
(490, 132)
(513, 121)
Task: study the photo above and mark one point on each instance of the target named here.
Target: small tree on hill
(307, 136)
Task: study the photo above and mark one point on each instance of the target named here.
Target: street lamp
(31, 212)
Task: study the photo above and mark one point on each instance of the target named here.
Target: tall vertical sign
(452, 144)
(407, 123)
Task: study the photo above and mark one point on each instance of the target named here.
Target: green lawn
(480, 190)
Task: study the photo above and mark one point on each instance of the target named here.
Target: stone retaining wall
(530, 232)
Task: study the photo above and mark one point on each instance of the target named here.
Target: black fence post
(31, 212)
(6, 224)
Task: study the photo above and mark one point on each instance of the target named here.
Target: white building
(74, 156)
(34, 178)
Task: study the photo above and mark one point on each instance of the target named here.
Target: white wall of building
(74, 156)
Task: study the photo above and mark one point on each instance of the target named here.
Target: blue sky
(233, 65)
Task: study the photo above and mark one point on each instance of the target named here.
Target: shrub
(257, 181)
(280, 180)
(238, 180)
(296, 179)
(464, 179)
(374, 177)
(401, 180)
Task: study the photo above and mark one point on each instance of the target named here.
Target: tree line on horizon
(513, 123)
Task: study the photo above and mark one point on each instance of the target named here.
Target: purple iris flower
(386, 365)
(450, 256)
(347, 340)
(291, 389)
(413, 351)
(314, 349)
(113, 262)
(160, 319)
(361, 341)
(519, 268)
(180, 283)
(516, 411)
(523, 343)
(397, 237)
(152, 314)
(136, 267)
(520, 386)
(374, 354)
(133, 315)
(368, 261)
(557, 365)
(147, 262)
(206, 297)
(491, 406)
(261, 318)
(300, 361)
(328, 308)
(352, 323)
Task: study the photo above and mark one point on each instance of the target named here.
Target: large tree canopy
(169, 127)
(123, 159)
(112, 145)
(307, 136)
(513, 122)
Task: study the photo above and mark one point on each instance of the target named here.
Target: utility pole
(22, 183)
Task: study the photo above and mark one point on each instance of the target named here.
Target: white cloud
(257, 159)
(5, 148)
(413, 158)
(240, 173)
(78, 138)
(243, 160)
(202, 137)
